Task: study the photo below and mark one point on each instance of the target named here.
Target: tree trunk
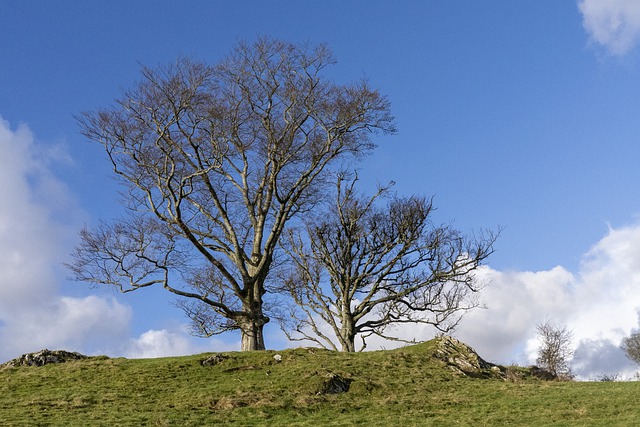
(252, 324)
(349, 345)
(252, 336)
(347, 333)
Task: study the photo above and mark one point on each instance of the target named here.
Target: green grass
(405, 387)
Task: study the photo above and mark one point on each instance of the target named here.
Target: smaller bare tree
(631, 347)
(555, 349)
(360, 268)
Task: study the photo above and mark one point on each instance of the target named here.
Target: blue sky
(522, 115)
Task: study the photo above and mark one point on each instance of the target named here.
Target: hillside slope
(416, 385)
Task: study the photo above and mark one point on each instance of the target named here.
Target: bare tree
(216, 160)
(555, 349)
(631, 347)
(359, 268)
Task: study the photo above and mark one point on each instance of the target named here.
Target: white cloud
(599, 304)
(158, 344)
(87, 324)
(614, 24)
(515, 302)
(39, 219)
(24, 236)
(599, 357)
(164, 343)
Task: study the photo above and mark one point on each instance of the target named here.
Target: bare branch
(555, 349)
(221, 158)
(362, 268)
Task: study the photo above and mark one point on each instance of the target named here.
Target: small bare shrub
(606, 378)
(555, 350)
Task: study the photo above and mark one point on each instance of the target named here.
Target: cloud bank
(599, 304)
(39, 219)
(613, 24)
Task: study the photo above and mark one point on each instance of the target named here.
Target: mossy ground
(406, 387)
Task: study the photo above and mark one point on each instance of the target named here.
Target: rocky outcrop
(44, 357)
(463, 359)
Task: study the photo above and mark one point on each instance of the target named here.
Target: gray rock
(44, 357)
(463, 359)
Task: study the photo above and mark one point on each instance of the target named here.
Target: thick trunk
(347, 333)
(252, 323)
(252, 336)
(349, 345)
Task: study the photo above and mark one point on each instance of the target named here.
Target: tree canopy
(359, 268)
(215, 161)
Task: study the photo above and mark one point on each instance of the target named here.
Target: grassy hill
(412, 386)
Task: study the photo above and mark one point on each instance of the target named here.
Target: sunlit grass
(405, 387)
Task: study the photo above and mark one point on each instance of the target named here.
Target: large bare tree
(216, 160)
(360, 268)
